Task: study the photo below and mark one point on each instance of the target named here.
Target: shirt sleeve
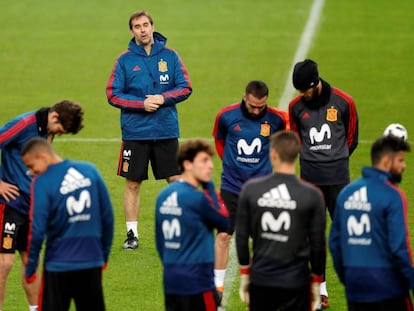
(107, 217)
(39, 214)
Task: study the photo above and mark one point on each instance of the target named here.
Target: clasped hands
(153, 102)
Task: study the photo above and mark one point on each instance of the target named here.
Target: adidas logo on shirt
(170, 205)
(358, 201)
(277, 197)
(73, 180)
(358, 223)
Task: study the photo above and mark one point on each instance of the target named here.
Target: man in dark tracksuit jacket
(369, 238)
(327, 122)
(285, 217)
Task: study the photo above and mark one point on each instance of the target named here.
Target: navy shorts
(136, 155)
(230, 199)
(14, 230)
(277, 298)
(207, 301)
(84, 287)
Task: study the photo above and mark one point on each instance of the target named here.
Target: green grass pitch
(52, 50)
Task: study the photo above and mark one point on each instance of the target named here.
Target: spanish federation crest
(7, 242)
(331, 114)
(265, 129)
(162, 66)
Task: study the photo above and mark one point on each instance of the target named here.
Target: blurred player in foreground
(72, 211)
(397, 130)
(285, 217)
(187, 212)
(369, 238)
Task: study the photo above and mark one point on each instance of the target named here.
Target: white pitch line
(301, 52)
(118, 140)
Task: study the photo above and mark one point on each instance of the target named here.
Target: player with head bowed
(242, 137)
(71, 210)
(326, 120)
(64, 117)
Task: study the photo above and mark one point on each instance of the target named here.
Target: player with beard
(241, 133)
(369, 238)
(327, 122)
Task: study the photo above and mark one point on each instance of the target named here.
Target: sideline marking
(302, 50)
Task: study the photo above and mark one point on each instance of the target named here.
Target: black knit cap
(305, 75)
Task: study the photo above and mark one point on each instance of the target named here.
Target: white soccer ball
(396, 129)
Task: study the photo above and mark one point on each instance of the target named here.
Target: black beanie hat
(305, 75)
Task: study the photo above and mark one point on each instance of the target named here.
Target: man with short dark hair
(369, 238)
(64, 117)
(241, 134)
(285, 219)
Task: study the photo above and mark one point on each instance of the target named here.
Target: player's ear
(273, 154)
(187, 165)
(53, 117)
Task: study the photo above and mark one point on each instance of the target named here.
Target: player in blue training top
(71, 210)
(369, 238)
(241, 133)
(185, 219)
(63, 117)
(147, 82)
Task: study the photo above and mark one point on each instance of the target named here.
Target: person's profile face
(202, 167)
(398, 166)
(36, 164)
(54, 126)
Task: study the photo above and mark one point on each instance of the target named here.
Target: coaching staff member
(146, 83)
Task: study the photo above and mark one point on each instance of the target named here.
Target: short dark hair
(257, 88)
(35, 145)
(189, 149)
(138, 15)
(70, 115)
(287, 144)
(387, 145)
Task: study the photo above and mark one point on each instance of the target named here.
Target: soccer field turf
(52, 50)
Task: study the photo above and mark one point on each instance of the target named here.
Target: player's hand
(157, 99)
(150, 106)
(8, 191)
(315, 292)
(153, 102)
(30, 279)
(244, 284)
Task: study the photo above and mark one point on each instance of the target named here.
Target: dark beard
(396, 178)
